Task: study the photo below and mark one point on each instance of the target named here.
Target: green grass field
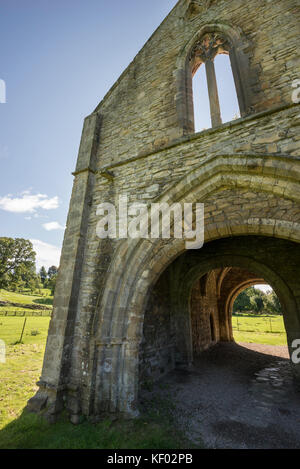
(18, 377)
(44, 300)
(11, 329)
(263, 329)
(19, 429)
(23, 298)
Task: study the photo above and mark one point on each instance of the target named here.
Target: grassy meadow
(260, 329)
(18, 377)
(22, 369)
(12, 303)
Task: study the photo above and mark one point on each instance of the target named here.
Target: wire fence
(23, 314)
(24, 330)
(258, 324)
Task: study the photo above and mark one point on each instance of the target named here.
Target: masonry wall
(222, 150)
(204, 309)
(139, 113)
(157, 349)
(247, 174)
(159, 352)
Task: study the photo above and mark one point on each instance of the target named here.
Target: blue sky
(58, 60)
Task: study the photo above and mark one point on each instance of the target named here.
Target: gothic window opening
(201, 101)
(214, 85)
(226, 88)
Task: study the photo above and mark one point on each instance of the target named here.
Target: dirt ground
(235, 396)
(281, 351)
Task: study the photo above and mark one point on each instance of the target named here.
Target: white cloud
(46, 254)
(53, 225)
(28, 203)
(264, 288)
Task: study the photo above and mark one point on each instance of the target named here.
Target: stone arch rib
(137, 264)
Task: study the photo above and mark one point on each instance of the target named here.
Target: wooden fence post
(23, 330)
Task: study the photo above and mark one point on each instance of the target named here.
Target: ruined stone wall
(146, 177)
(245, 172)
(204, 304)
(139, 113)
(157, 349)
(244, 201)
(159, 352)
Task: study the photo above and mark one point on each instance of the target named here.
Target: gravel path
(275, 350)
(235, 396)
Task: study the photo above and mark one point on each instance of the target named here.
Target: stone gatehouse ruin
(130, 310)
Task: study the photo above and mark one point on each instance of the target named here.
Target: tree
(257, 302)
(53, 270)
(253, 299)
(272, 303)
(16, 284)
(276, 303)
(43, 274)
(242, 303)
(38, 283)
(17, 261)
(31, 284)
(52, 283)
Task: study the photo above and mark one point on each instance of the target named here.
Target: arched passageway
(189, 308)
(226, 394)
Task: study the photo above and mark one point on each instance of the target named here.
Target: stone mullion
(213, 93)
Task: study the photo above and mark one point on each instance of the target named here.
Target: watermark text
(139, 221)
(2, 92)
(2, 351)
(296, 353)
(296, 92)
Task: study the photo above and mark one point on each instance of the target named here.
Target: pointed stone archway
(140, 141)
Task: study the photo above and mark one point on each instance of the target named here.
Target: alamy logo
(296, 92)
(2, 92)
(139, 221)
(296, 353)
(2, 351)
